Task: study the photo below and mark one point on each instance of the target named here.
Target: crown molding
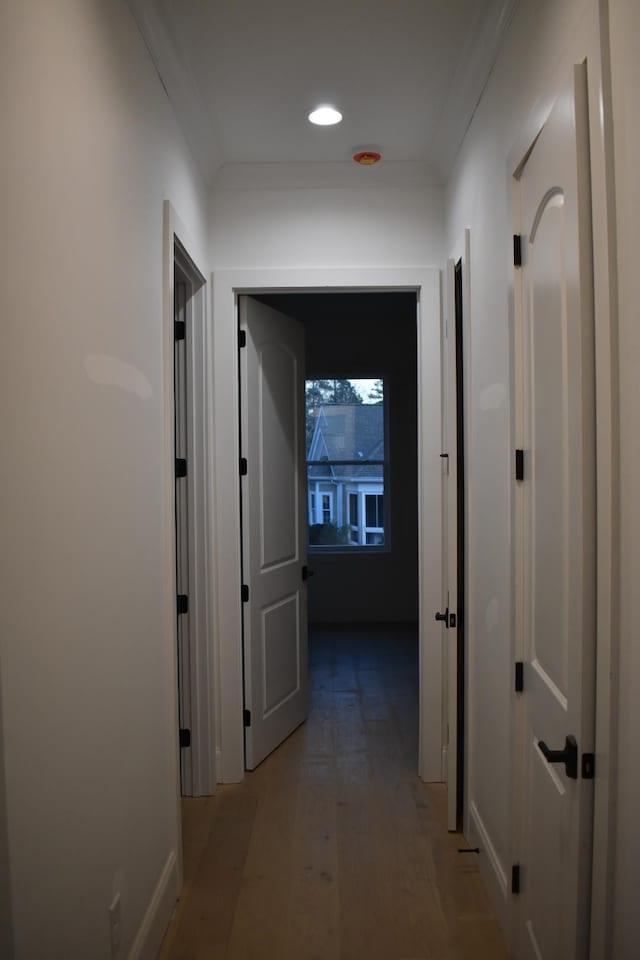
(180, 86)
(476, 63)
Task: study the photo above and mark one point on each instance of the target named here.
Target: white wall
(6, 927)
(90, 149)
(369, 335)
(544, 39)
(625, 43)
(326, 215)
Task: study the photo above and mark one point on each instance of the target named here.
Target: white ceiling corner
(181, 87)
(473, 71)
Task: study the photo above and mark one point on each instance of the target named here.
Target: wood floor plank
(333, 849)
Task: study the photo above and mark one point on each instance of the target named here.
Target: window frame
(352, 486)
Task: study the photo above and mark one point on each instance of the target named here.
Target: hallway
(333, 849)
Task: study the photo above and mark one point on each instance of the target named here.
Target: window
(346, 463)
(374, 510)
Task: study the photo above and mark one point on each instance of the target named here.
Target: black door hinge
(244, 466)
(246, 716)
(179, 330)
(183, 603)
(515, 878)
(517, 250)
(245, 593)
(185, 738)
(181, 467)
(519, 464)
(449, 619)
(242, 338)
(588, 766)
(519, 676)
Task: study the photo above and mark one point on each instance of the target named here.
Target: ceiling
(243, 74)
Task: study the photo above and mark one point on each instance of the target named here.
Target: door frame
(199, 405)
(460, 253)
(425, 282)
(607, 454)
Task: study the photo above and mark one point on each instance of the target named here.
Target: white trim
(461, 252)
(607, 489)
(158, 914)
(490, 867)
(173, 228)
(425, 281)
(200, 679)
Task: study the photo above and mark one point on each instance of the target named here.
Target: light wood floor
(333, 849)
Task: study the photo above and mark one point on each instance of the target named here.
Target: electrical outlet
(115, 925)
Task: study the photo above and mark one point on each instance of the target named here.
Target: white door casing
(274, 528)
(227, 286)
(555, 533)
(450, 519)
(449, 551)
(182, 295)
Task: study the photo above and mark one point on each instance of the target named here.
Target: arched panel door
(556, 536)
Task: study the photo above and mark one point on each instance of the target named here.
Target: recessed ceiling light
(325, 116)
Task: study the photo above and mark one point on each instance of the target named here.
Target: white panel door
(556, 535)
(274, 527)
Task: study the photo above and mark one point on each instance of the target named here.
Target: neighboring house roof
(347, 431)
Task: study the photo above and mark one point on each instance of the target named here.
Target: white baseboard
(492, 870)
(146, 945)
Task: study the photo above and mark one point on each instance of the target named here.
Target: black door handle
(568, 756)
(306, 573)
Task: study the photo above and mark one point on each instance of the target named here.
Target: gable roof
(347, 431)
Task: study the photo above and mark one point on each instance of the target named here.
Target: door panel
(273, 527)
(281, 653)
(556, 531)
(277, 367)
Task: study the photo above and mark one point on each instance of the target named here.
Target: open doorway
(361, 504)
(228, 287)
(355, 338)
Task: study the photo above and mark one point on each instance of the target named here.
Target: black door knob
(568, 756)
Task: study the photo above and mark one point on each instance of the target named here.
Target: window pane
(346, 465)
(345, 420)
(371, 515)
(375, 539)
